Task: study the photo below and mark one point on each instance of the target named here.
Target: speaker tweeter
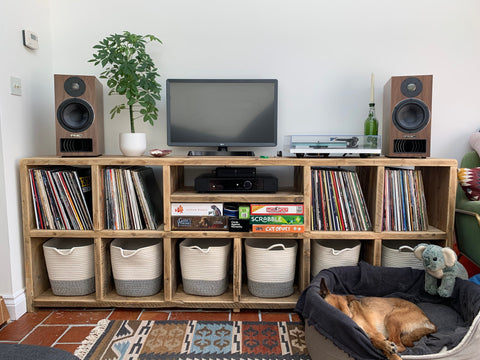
(407, 103)
(79, 115)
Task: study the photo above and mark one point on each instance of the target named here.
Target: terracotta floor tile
(200, 315)
(125, 314)
(18, 329)
(154, 315)
(68, 317)
(76, 334)
(245, 315)
(295, 317)
(275, 316)
(44, 335)
(68, 347)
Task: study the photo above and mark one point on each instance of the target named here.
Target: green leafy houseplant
(130, 71)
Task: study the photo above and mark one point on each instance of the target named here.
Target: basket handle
(405, 247)
(64, 251)
(338, 252)
(128, 253)
(276, 245)
(205, 251)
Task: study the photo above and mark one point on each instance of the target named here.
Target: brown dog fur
(390, 323)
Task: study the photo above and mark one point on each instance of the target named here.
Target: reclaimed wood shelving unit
(173, 173)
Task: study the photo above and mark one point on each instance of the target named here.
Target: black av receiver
(259, 183)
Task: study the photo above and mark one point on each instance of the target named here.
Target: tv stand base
(220, 153)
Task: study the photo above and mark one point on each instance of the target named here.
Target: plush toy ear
(419, 249)
(450, 256)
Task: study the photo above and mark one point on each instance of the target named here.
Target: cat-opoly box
(276, 209)
(273, 228)
(197, 209)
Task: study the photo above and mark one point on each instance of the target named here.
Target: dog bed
(330, 334)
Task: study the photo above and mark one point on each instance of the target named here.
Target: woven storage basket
(70, 266)
(270, 266)
(400, 254)
(137, 266)
(204, 266)
(330, 253)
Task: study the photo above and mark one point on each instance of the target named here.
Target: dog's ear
(324, 292)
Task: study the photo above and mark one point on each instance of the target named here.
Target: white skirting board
(16, 304)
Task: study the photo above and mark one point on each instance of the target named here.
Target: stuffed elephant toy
(440, 264)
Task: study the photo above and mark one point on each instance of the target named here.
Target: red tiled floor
(154, 315)
(76, 334)
(44, 335)
(275, 316)
(61, 317)
(200, 315)
(245, 315)
(67, 328)
(17, 330)
(125, 314)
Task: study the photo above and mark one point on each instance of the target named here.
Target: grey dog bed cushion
(33, 352)
(452, 316)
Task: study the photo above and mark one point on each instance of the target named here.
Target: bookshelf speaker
(407, 109)
(79, 115)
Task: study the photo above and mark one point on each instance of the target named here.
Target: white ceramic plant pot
(133, 144)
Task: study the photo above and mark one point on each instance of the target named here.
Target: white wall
(26, 128)
(322, 53)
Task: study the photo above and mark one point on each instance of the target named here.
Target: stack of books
(133, 200)
(338, 203)
(62, 198)
(404, 205)
(277, 218)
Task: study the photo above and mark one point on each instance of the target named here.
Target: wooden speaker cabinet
(79, 115)
(407, 109)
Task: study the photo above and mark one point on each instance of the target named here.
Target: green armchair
(467, 216)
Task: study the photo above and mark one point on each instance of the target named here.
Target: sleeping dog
(390, 323)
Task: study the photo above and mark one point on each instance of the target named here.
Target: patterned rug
(194, 340)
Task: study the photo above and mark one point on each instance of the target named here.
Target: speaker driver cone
(410, 115)
(75, 115)
(74, 86)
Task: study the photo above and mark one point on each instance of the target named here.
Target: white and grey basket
(204, 266)
(327, 253)
(270, 266)
(398, 253)
(137, 266)
(70, 266)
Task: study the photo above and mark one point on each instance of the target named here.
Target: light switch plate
(15, 86)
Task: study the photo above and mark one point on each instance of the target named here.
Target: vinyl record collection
(337, 201)
(132, 198)
(61, 198)
(404, 205)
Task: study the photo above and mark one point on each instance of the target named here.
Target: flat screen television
(222, 114)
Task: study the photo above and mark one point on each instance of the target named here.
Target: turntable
(335, 145)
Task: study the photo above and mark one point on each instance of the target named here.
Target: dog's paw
(391, 347)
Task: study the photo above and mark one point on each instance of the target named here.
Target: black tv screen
(222, 113)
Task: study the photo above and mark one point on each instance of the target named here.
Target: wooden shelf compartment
(39, 292)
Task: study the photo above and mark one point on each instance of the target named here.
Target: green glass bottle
(371, 127)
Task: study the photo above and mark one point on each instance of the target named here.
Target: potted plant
(130, 71)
